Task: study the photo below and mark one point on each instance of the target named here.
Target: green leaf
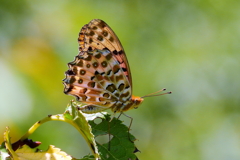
(79, 121)
(120, 147)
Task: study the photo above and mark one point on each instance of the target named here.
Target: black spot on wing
(68, 89)
(70, 73)
(124, 69)
(92, 77)
(96, 73)
(111, 88)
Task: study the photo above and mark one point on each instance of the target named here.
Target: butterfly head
(136, 101)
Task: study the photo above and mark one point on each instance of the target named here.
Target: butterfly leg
(109, 134)
(129, 125)
(89, 109)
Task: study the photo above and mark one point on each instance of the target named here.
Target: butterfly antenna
(155, 93)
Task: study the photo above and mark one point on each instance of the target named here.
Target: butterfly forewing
(98, 35)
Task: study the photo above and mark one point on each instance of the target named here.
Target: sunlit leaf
(52, 153)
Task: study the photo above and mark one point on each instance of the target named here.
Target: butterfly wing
(100, 75)
(98, 35)
(96, 78)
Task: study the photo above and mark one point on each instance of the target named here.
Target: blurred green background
(189, 47)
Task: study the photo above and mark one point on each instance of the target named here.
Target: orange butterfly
(100, 75)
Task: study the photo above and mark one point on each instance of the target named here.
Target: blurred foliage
(188, 47)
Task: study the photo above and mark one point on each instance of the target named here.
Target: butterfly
(100, 75)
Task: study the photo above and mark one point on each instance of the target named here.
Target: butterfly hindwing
(96, 78)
